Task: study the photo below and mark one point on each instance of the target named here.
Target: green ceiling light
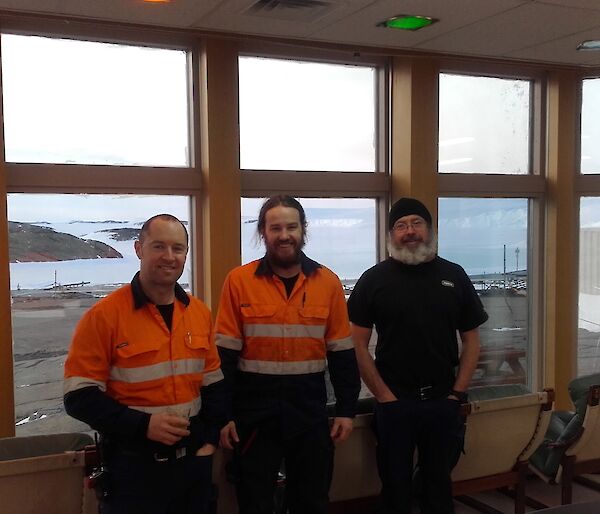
(591, 44)
(408, 22)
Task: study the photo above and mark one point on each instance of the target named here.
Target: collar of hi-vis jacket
(140, 299)
(308, 266)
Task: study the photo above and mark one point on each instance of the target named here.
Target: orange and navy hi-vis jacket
(275, 349)
(123, 348)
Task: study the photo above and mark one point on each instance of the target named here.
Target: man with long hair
(281, 319)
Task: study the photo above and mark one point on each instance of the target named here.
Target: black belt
(163, 455)
(426, 392)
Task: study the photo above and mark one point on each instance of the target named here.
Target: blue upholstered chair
(572, 442)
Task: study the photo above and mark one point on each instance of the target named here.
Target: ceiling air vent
(291, 10)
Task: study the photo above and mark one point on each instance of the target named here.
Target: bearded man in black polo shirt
(417, 302)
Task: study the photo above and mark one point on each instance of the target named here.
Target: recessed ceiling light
(591, 44)
(407, 22)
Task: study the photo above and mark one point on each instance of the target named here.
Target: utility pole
(504, 249)
(517, 256)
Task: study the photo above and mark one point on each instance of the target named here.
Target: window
(55, 278)
(82, 102)
(489, 239)
(341, 234)
(484, 125)
(306, 116)
(590, 129)
(588, 354)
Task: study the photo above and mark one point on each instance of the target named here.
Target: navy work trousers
(308, 462)
(138, 484)
(431, 426)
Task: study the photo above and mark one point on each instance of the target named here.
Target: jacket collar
(140, 299)
(308, 266)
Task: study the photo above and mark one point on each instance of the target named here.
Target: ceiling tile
(178, 13)
(233, 15)
(361, 27)
(587, 4)
(522, 27)
(562, 50)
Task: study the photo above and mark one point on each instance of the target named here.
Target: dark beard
(275, 261)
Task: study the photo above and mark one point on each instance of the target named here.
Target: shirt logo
(447, 283)
(123, 345)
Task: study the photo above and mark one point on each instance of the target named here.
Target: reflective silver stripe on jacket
(233, 343)
(157, 371)
(75, 383)
(181, 409)
(337, 345)
(285, 331)
(212, 377)
(281, 368)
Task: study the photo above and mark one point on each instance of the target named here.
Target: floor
(536, 489)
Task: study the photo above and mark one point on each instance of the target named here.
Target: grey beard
(425, 252)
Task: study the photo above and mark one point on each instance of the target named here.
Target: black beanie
(406, 207)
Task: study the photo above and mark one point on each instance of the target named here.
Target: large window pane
(483, 125)
(81, 102)
(55, 278)
(588, 354)
(298, 115)
(488, 238)
(341, 234)
(590, 127)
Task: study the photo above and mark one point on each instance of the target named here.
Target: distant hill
(123, 234)
(31, 243)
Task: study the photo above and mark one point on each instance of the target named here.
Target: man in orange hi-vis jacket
(143, 371)
(281, 319)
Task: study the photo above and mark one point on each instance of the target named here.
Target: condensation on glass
(80, 102)
(590, 127)
(66, 253)
(484, 125)
(488, 237)
(308, 116)
(588, 323)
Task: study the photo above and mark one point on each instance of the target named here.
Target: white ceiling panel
(562, 50)
(178, 13)
(361, 27)
(236, 16)
(587, 4)
(518, 29)
(535, 30)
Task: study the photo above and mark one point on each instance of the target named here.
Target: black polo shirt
(416, 311)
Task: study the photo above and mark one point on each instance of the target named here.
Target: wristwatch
(462, 396)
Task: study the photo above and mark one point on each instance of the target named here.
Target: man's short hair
(276, 201)
(166, 217)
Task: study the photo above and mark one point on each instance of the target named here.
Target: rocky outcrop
(32, 243)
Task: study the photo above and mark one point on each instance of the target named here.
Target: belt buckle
(160, 458)
(425, 392)
(179, 452)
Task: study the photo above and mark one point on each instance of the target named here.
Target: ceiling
(543, 31)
